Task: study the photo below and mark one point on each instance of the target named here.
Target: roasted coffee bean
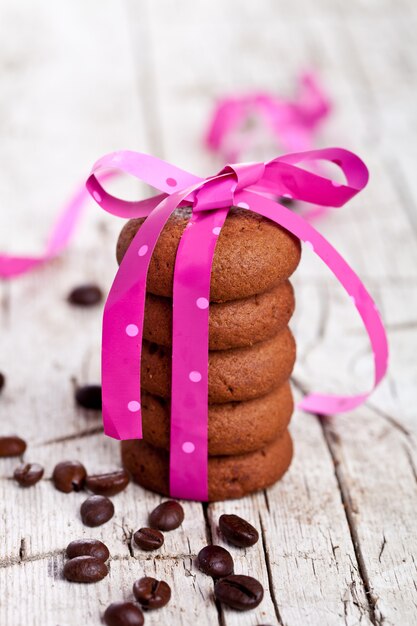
(2, 381)
(69, 476)
(215, 561)
(151, 593)
(89, 397)
(85, 295)
(88, 547)
(12, 446)
(123, 614)
(238, 531)
(167, 515)
(239, 592)
(85, 569)
(28, 474)
(148, 538)
(288, 202)
(108, 484)
(96, 510)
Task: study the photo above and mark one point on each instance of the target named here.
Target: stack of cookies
(252, 354)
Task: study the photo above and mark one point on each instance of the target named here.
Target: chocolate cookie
(234, 427)
(229, 476)
(252, 254)
(233, 324)
(234, 375)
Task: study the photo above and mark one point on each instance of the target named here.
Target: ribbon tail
(326, 404)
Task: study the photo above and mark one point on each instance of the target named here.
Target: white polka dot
(134, 406)
(143, 250)
(202, 303)
(216, 230)
(188, 447)
(97, 196)
(287, 195)
(243, 205)
(195, 377)
(132, 330)
(309, 245)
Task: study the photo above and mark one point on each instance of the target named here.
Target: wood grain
(338, 539)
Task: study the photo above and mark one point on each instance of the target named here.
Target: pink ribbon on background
(292, 123)
(247, 185)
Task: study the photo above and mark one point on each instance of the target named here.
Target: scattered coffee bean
(69, 476)
(28, 474)
(85, 569)
(85, 295)
(88, 547)
(288, 202)
(238, 531)
(151, 593)
(239, 592)
(89, 397)
(148, 538)
(12, 446)
(2, 381)
(123, 614)
(96, 510)
(167, 515)
(108, 484)
(215, 561)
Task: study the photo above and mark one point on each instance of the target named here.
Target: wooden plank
(39, 595)
(51, 347)
(305, 556)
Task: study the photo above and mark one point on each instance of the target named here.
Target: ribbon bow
(247, 185)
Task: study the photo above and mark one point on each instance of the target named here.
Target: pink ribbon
(12, 265)
(292, 123)
(248, 185)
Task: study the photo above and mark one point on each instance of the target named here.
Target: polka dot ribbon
(235, 125)
(248, 185)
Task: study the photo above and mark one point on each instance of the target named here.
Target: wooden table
(79, 79)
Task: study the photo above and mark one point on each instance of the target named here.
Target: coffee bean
(148, 538)
(288, 202)
(85, 295)
(2, 380)
(151, 593)
(85, 569)
(96, 510)
(69, 476)
(238, 531)
(239, 592)
(12, 446)
(123, 614)
(108, 484)
(89, 397)
(88, 547)
(167, 515)
(28, 474)
(215, 561)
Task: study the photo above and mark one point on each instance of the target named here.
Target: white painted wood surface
(83, 78)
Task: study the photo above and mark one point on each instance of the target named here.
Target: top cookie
(252, 254)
